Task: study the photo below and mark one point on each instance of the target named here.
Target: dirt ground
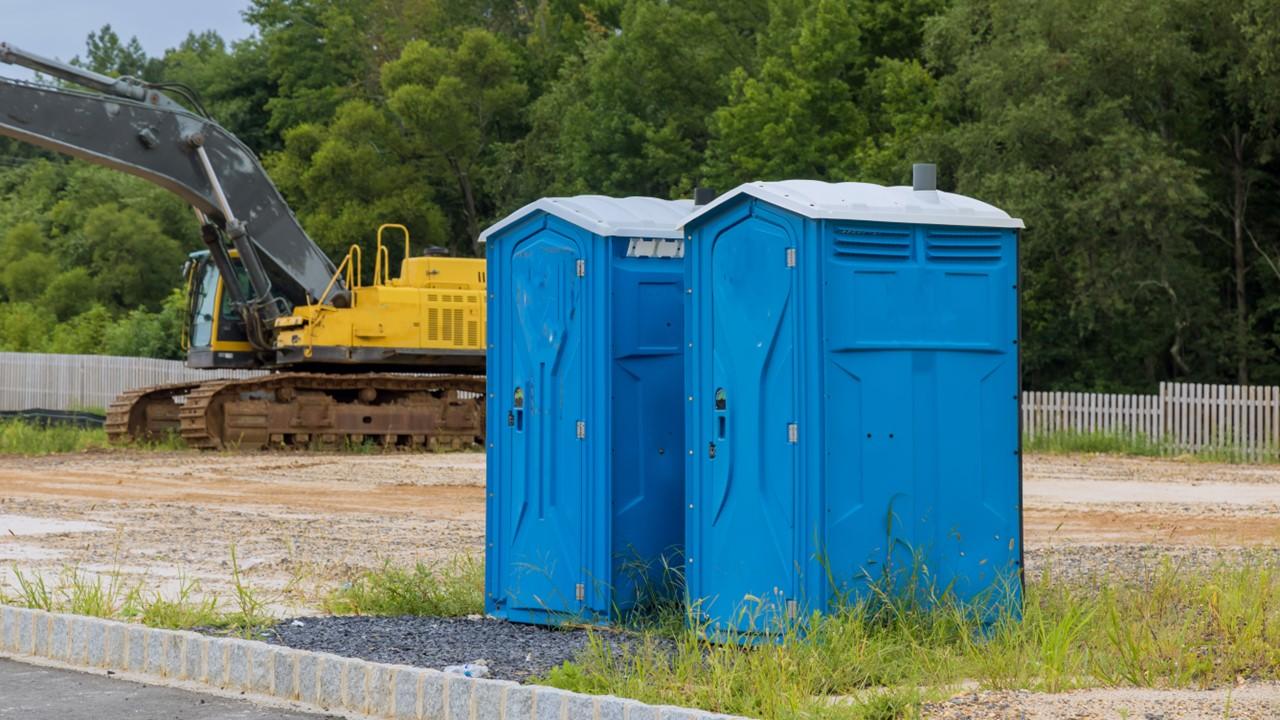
(302, 523)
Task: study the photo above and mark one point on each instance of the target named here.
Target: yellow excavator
(399, 360)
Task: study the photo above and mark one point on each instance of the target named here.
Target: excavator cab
(215, 335)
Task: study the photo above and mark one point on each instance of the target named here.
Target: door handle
(722, 420)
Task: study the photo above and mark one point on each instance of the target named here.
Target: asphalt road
(31, 692)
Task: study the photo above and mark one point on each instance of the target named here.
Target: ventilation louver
(880, 245)
(963, 246)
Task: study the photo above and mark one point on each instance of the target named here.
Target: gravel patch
(510, 650)
(515, 652)
(1087, 564)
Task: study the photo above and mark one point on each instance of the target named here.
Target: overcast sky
(58, 28)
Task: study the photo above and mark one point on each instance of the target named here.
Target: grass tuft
(19, 437)
(1070, 441)
(78, 592)
(23, 438)
(170, 441)
(1073, 441)
(188, 608)
(878, 659)
(110, 595)
(448, 589)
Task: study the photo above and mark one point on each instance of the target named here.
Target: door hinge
(582, 430)
(582, 268)
(580, 591)
(793, 433)
(791, 257)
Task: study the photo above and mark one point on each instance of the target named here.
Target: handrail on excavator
(348, 268)
(384, 259)
(382, 272)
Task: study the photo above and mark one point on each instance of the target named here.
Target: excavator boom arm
(142, 132)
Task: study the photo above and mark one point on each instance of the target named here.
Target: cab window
(202, 318)
(230, 323)
(228, 310)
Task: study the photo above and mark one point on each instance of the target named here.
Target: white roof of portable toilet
(866, 201)
(607, 216)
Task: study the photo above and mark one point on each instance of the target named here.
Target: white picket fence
(69, 382)
(1181, 417)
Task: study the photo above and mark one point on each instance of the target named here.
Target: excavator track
(147, 413)
(324, 411)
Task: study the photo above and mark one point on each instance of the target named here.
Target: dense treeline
(1137, 139)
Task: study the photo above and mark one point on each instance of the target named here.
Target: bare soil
(302, 523)
(1257, 701)
(1092, 499)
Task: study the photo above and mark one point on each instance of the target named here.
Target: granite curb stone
(329, 682)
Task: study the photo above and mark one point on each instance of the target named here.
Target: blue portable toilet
(852, 394)
(585, 423)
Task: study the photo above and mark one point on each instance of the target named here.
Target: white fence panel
(1181, 417)
(67, 382)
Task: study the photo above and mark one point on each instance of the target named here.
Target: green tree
(903, 117)
(84, 334)
(106, 53)
(22, 238)
(630, 116)
(1240, 76)
(317, 55)
(233, 83)
(149, 334)
(1055, 111)
(25, 327)
(347, 178)
(134, 263)
(26, 278)
(66, 294)
(455, 105)
(799, 117)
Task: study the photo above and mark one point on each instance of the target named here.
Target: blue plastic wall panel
(853, 412)
(919, 418)
(584, 422)
(647, 414)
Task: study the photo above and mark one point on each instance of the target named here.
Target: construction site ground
(302, 523)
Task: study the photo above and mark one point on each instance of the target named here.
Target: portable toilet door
(578, 398)
(743, 391)
(541, 314)
(852, 388)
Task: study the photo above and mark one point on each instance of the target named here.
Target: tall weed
(448, 589)
(883, 653)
